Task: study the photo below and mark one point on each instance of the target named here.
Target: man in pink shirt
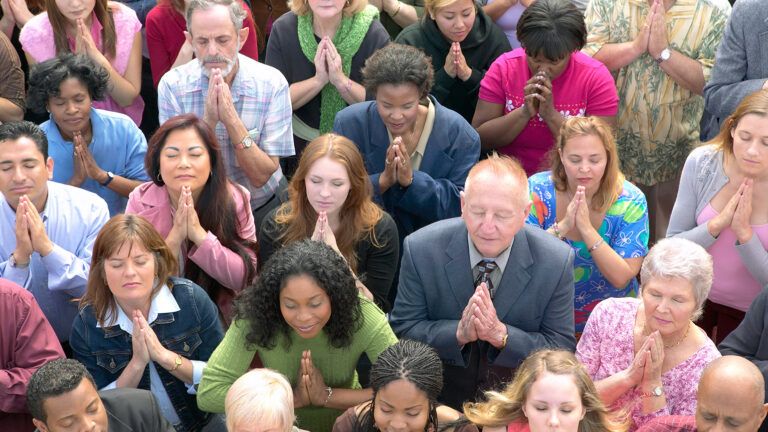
(27, 342)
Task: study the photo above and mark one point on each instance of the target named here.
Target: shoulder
(386, 227)
(411, 35)
(186, 290)
(357, 109)
(544, 247)
(622, 307)
(541, 179)
(188, 76)
(124, 403)
(749, 10)
(159, 14)
(722, 6)
(704, 159)
(35, 30)
(452, 119)
(630, 192)
(79, 201)
(255, 74)
(122, 14)
(115, 120)
(16, 294)
(436, 233)
(288, 21)
(346, 421)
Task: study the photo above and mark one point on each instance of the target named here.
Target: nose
(398, 424)
(18, 174)
(753, 148)
(213, 48)
(183, 161)
(553, 420)
(325, 191)
(584, 167)
(71, 107)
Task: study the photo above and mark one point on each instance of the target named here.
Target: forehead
(675, 286)
(327, 167)
(301, 287)
(397, 93)
(130, 247)
(22, 148)
(499, 189)
(71, 86)
(211, 22)
(584, 144)
(71, 403)
(183, 138)
(457, 6)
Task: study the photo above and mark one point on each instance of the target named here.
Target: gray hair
(680, 258)
(236, 11)
(261, 396)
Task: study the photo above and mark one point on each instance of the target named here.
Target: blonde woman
(551, 389)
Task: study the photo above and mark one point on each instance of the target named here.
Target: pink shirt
(733, 285)
(585, 88)
(607, 347)
(37, 41)
(153, 203)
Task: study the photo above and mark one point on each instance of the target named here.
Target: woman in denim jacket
(134, 331)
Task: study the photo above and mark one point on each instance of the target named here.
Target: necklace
(681, 339)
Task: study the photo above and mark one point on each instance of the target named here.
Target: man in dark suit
(62, 396)
(485, 290)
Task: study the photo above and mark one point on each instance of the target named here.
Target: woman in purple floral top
(646, 355)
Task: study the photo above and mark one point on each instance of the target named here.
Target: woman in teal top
(305, 319)
(586, 202)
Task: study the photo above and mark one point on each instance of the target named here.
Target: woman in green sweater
(305, 319)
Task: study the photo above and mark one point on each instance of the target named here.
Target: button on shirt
(262, 101)
(72, 219)
(163, 302)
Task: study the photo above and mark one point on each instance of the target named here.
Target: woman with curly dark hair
(205, 218)
(305, 319)
(97, 150)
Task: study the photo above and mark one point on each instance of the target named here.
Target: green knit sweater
(232, 359)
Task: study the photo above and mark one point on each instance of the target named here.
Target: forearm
(685, 71)
(343, 398)
(503, 130)
(616, 269)
(131, 374)
(554, 121)
(9, 111)
(183, 372)
(403, 14)
(120, 89)
(13, 386)
(304, 91)
(6, 26)
(184, 57)
(256, 164)
(617, 55)
(496, 9)
(122, 185)
(220, 262)
(613, 387)
(351, 91)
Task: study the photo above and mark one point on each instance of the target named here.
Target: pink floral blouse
(607, 347)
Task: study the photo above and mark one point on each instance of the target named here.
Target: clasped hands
(30, 232)
(186, 224)
(736, 214)
(652, 37)
(310, 389)
(397, 166)
(219, 106)
(15, 12)
(147, 347)
(645, 369)
(328, 66)
(85, 166)
(479, 321)
(455, 64)
(323, 233)
(577, 215)
(538, 96)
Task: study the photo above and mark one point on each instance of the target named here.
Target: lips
(305, 329)
(20, 190)
(185, 177)
(131, 285)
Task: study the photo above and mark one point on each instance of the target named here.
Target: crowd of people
(384, 215)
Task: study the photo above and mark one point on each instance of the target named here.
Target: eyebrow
(391, 406)
(311, 298)
(22, 161)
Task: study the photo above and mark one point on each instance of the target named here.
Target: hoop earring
(159, 178)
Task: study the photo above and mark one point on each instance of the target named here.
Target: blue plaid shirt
(261, 97)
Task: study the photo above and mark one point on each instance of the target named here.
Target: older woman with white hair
(646, 355)
(261, 400)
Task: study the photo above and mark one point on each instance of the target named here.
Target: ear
(763, 412)
(49, 167)
(40, 425)
(188, 37)
(527, 210)
(583, 413)
(243, 33)
(462, 201)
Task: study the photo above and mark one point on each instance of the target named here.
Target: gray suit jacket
(534, 299)
(741, 64)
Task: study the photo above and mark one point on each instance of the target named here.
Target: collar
(475, 257)
(97, 127)
(429, 121)
(154, 195)
(163, 302)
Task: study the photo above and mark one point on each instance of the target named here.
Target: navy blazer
(452, 149)
(534, 299)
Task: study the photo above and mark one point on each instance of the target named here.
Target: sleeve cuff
(197, 374)
(20, 276)
(57, 259)
(110, 386)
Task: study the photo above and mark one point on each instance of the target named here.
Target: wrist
(744, 236)
(45, 248)
(21, 258)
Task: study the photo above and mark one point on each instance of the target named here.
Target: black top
(484, 43)
(376, 264)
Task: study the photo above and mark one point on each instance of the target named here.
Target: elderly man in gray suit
(485, 290)
(741, 64)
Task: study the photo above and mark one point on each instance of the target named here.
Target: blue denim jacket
(193, 332)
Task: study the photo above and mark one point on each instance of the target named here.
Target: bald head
(731, 395)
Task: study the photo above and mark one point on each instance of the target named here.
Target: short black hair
(54, 379)
(398, 64)
(15, 130)
(259, 304)
(45, 78)
(554, 28)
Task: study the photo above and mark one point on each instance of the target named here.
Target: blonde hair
(613, 180)
(260, 397)
(756, 103)
(502, 408)
(433, 6)
(351, 7)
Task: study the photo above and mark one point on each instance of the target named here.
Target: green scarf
(347, 40)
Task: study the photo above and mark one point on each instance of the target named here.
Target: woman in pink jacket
(205, 218)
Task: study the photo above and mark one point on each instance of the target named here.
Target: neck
(129, 306)
(672, 340)
(333, 222)
(326, 26)
(86, 133)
